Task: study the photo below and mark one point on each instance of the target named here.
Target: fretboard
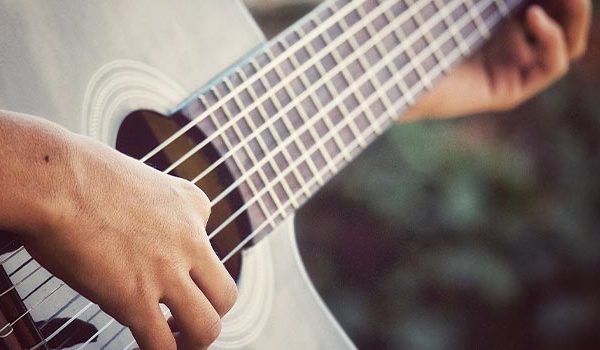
(292, 115)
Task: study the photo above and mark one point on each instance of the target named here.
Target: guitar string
(406, 69)
(329, 48)
(342, 65)
(130, 344)
(11, 255)
(323, 112)
(263, 70)
(307, 93)
(456, 53)
(284, 55)
(224, 128)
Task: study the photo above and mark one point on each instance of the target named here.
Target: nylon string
(375, 128)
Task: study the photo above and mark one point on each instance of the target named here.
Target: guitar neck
(295, 113)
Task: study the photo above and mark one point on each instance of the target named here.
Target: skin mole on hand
(47, 158)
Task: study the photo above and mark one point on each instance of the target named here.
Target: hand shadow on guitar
(8, 242)
(76, 332)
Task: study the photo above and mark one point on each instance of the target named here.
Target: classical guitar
(260, 138)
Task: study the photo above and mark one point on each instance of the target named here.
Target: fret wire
(264, 208)
(382, 51)
(441, 58)
(225, 139)
(346, 120)
(11, 255)
(302, 112)
(233, 252)
(401, 36)
(189, 125)
(287, 124)
(275, 135)
(311, 165)
(457, 36)
(299, 178)
(48, 278)
(287, 80)
(16, 284)
(404, 88)
(336, 129)
(479, 22)
(329, 86)
(241, 244)
(19, 268)
(259, 138)
(357, 94)
(454, 53)
(338, 98)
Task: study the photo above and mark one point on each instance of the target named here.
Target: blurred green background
(478, 233)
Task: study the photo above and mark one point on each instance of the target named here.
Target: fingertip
(544, 29)
(536, 17)
(536, 11)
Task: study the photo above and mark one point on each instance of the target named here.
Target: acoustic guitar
(193, 89)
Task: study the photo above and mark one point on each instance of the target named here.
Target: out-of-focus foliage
(479, 233)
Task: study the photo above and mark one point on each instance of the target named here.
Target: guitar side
(86, 67)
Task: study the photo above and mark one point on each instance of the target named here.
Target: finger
(575, 17)
(152, 331)
(211, 276)
(553, 54)
(194, 316)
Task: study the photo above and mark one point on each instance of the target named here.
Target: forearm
(34, 156)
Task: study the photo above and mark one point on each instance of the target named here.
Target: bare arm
(33, 154)
(121, 233)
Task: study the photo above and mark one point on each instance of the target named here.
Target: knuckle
(195, 195)
(213, 331)
(171, 345)
(229, 296)
(205, 206)
(202, 200)
(210, 333)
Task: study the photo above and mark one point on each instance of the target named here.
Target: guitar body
(87, 66)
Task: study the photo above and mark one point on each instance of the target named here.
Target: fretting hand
(527, 55)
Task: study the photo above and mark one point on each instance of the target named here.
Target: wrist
(36, 155)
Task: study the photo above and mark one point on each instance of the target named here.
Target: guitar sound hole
(143, 130)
